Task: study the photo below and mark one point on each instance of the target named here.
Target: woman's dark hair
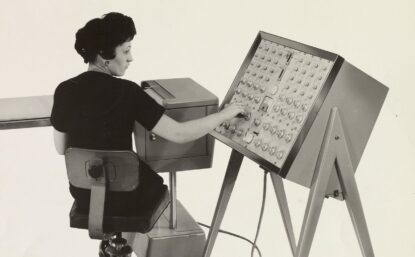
(102, 35)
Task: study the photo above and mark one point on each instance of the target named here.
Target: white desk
(25, 112)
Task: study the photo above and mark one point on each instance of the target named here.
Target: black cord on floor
(261, 214)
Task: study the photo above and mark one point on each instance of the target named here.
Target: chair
(102, 171)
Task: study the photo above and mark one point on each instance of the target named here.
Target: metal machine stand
(335, 152)
(173, 200)
(176, 233)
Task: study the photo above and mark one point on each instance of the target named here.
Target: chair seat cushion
(140, 221)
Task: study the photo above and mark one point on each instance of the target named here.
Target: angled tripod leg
(351, 196)
(232, 171)
(334, 152)
(285, 212)
(354, 205)
(325, 162)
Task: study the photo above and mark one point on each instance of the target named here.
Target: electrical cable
(261, 214)
(235, 235)
(254, 245)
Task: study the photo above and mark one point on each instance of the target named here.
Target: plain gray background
(207, 41)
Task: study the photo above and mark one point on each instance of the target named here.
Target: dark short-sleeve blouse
(98, 111)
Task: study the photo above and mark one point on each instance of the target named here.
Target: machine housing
(290, 89)
(184, 100)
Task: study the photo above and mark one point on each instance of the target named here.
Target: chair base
(187, 240)
(116, 246)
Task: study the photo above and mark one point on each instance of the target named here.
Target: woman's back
(98, 111)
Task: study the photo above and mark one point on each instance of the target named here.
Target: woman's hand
(232, 110)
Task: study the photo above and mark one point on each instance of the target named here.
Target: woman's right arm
(183, 132)
(61, 141)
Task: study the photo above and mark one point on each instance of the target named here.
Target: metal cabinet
(184, 100)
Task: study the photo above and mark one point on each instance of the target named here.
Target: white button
(299, 118)
(257, 142)
(280, 133)
(248, 138)
(273, 89)
(277, 108)
(288, 137)
(266, 126)
(232, 129)
(239, 132)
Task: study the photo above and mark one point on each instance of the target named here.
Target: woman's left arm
(61, 141)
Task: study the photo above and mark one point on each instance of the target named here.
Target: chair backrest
(101, 171)
(85, 165)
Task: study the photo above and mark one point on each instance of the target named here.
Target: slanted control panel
(280, 85)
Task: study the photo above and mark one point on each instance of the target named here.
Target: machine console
(282, 83)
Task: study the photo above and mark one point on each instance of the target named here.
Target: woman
(96, 110)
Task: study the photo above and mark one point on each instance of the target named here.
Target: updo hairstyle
(102, 35)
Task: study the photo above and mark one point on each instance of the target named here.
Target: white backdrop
(207, 41)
